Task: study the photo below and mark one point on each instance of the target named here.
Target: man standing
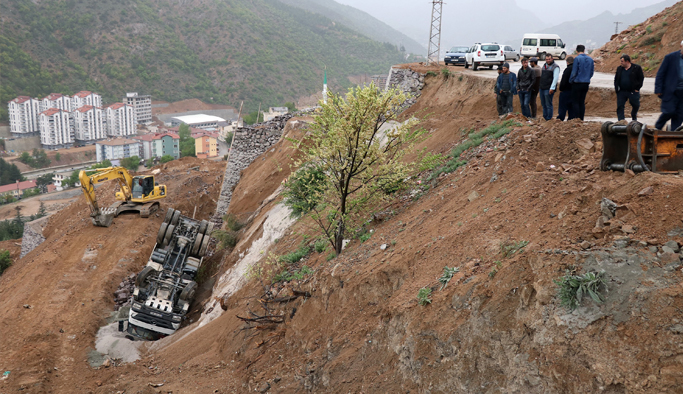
(669, 87)
(580, 79)
(550, 74)
(533, 92)
(526, 78)
(627, 83)
(565, 105)
(499, 100)
(506, 86)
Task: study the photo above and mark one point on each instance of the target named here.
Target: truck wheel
(168, 236)
(209, 230)
(205, 245)
(176, 217)
(197, 245)
(161, 233)
(202, 227)
(188, 292)
(141, 280)
(169, 215)
(475, 66)
(563, 56)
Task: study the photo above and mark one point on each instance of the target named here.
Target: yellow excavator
(138, 193)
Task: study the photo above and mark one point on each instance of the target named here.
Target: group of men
(532, 80)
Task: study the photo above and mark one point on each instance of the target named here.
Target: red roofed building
(85, 97)
(89, 124)
(56, 100)
(205, 144)
(17, 189)
(120, 120)
(56, 129)
(23, 116)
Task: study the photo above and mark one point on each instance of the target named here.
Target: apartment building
(166, 144)
(89, 124)
(120, 120)
(116, 149)
(56, 129)
(23, 116)
(273, 112)
(85, 97)
(205, 144)
(55, 100)
(142, 105)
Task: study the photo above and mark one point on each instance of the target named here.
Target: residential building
(58, 185)
(146, 141)
(166, 144)
(224, 128)
(120, 120)
(116, 149)
(142, 105)
(23, 116)
(205, 144)
(199, 121)
(85, 97)
(89, 124)
(56, 129)
(273, 112)
(17, 189)
(56, 100)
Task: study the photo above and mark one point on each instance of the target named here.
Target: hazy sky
(552, 12)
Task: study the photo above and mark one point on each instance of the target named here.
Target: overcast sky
(550, 11)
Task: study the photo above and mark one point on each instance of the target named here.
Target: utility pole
(435, 33)
(616, 27)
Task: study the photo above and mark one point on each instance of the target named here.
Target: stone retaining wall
(408, 81)
(33, 235)
(248, 143)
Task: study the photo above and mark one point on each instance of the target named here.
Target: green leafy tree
(166, 158)
(187, 147)
(132, 163)
(5, 260)
(30, 192)
(9, 173)
(103, 164)
(290, 106)
(41, 159)
(26, 158)
(42, 212)
(345, 143)
(58, 156)
(44, 180)
(253, 117)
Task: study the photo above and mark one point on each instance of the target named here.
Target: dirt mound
(647, 43)
(186, 105)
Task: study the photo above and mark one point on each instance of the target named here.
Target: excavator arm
(103, 216)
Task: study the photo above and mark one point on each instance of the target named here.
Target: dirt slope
(497, 326)
(647, 43)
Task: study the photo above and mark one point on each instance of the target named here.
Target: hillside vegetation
(647, 43)
(219, 51)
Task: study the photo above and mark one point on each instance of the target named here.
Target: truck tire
(161, 233)
(209, 230)
(205, 245)
(169, 215)
(202, 227)
(475, 66)
(141, 280)
(188, 292)
(176, 217)
(168, 236)
(197, 245)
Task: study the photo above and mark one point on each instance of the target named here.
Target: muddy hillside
(646, 43)
(529, 207)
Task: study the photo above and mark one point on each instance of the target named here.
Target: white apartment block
(116, 149)
(56, 130)
(23, 116)
(56, 100)
(89, 124)
(142, 105)
(85, 97)
(120, 120)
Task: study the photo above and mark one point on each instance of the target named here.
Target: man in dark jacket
(550, 76)
(565, 104)
(535, 88)
(627, 83)
(499, 100)
(526, 78)
(506, 86)
(669, 87)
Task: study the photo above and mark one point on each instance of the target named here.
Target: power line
(435, 33)
(616, 27)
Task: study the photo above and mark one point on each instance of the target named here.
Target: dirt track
(362, 330)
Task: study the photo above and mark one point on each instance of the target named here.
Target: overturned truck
(165, 287)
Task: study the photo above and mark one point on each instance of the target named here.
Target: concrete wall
(23, 144)
(248, 143)
(5, 132)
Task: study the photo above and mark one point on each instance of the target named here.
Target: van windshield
(490, 47)
(530, 41)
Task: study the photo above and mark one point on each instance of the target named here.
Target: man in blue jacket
(506, 87)
(580, 79)
(669, 88)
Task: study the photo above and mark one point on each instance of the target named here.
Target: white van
(542, 44)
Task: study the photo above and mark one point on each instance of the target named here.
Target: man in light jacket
(669, 88)
(580, 79)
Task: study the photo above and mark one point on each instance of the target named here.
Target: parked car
(487, 54)
(456, 56)
(541, 45)
(510, 53)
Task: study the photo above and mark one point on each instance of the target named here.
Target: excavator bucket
(104, 218)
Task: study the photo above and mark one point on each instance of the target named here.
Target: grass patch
(445, 72)
(509, 248)
(571, 289)
(423, 296)
(365, 237)
(290, 275)
(320, 246)
(447, 276)
(295, 256)
(232, 223)
(226, 239)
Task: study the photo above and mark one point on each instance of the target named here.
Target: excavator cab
(143, 186)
